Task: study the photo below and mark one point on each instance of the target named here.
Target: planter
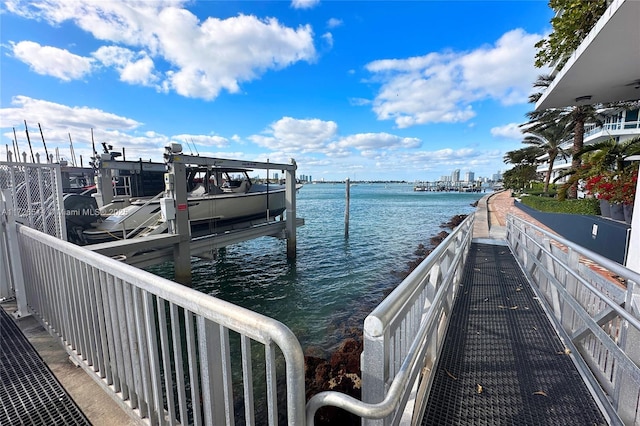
(628, 213)
(605, 211)
(617, 211)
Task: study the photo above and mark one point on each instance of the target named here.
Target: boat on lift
(130, 194)
(220, 203)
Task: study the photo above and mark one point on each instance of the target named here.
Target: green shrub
(588, 206)
(541, 193)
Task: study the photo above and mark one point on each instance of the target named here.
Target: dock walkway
(29, 392)
(503, 362)
(39, 384)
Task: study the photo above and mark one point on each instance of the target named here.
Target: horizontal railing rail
(598, 319)
(167, 353)
(403, 337)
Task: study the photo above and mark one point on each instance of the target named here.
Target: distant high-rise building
(455, 176)
(469, 176)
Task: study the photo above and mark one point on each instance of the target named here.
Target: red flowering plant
(600, 186)
(628, 183)
(615, 187)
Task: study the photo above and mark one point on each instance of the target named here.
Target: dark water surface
(334, 282)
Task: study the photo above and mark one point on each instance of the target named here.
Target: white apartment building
(618, 124)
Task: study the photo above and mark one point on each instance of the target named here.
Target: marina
(448, 186)
(502, 320)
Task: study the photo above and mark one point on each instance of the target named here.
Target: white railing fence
(169, 354)
(598, 319)
(403, 337)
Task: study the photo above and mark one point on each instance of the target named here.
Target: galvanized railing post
(13, 254)
(374, 364)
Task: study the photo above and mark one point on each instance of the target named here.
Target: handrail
(388, 308)
(113, 319)
(601, 330)
(429, 289)
(627, 272)
(608, 264)
(398, 385)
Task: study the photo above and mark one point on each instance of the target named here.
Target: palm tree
(574, 117)
(523, 156)
(549, 138)
(611, 154)
(524, 170)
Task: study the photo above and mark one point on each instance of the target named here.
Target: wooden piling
(346, 208)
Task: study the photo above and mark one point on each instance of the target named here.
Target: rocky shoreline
(341, 372)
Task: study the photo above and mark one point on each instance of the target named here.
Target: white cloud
(441, 87)
(359, 101)
(509, 131)
(60, 121)
(48, 60)
(298, 135)
(63, 116)
(334, 23)
(127, 21)
(201, 140)
(505, 71)
(328, 38)
(219, 54)
(302, 136)
(202, 58)
(304, 4)
(134, 68)
(376, 142)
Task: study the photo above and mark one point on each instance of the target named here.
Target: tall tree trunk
(552, 159)
(578, 141)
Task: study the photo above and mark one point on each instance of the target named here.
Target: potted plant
(600, 187)
(608, 178)
(616, 192)
(629, 182)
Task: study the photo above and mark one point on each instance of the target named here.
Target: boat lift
(179, 244)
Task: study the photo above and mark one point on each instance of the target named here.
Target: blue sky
(361, 89)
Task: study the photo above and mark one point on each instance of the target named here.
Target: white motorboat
(217, 203)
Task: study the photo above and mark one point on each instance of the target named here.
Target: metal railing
(599, 320)
(403, 337)
(170, 354)
(36, 193)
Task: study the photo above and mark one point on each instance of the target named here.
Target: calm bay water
(334, 282)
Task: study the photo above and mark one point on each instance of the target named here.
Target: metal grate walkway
(29, 392)
(503, 363)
